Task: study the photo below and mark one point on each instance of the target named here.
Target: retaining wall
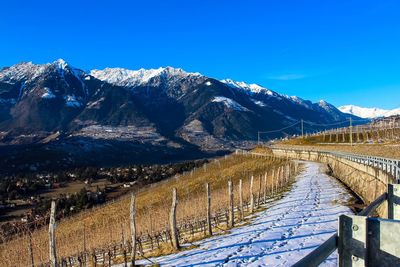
(366, 181)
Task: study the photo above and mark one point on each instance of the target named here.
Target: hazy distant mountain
(368, 112)
(60, 107)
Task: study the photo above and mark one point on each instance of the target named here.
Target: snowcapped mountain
(132, 78)
(147, 110)
(368, 112)
(174, 80)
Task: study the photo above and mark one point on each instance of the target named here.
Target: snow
(252, 88)
(368, 112)
(286, 231)
(258, 103)
(71, 101)
(208, 83)
(95, 104)
(325, 105)
(61, 63)
(229, 103)
(22, 71)
(48, 94)
(131, 78)
(300, 101)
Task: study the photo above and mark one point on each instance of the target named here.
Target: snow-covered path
(282, 234)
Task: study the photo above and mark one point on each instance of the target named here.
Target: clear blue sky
(346, 52)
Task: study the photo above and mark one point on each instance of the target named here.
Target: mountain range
(369, 112)
(70, 116)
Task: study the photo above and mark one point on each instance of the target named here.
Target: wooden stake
(265, 188)
(133, 228)
(251, 195)
(52, 236)
(272, 181)
(208, 190)
(241, 199)
(231, 204)
(172, 221)
(259, 191)
(30, 249)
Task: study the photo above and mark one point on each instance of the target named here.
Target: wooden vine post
(208, 191)
(231, 222)
(272, 182)
(251, 194)
(259, 191)
(133, 228)
(30, 249)
(172, 221)
(52, 235)
(278, 174)
(241, 199)
(265, 188)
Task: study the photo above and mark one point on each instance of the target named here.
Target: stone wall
(366, 181)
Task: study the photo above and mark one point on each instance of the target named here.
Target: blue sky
(346, 52)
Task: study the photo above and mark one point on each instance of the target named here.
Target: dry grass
(106, 225)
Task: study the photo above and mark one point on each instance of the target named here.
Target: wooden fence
(175, 233)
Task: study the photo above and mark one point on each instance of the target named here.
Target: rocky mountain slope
(80, 115)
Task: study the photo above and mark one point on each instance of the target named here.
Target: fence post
(30, 248)
(52, 236)
(172, 221)
(265, 188)
(259, 191)
(133, 228)
(208, 190)
(277, 180)
(394, 201)
(251, 194)
(241, 199)
(351, 241)
(272, 182)
(231, 205)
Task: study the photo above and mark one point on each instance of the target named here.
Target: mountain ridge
(164, 109)
(370, 113)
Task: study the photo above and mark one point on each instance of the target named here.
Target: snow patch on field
(285, 232)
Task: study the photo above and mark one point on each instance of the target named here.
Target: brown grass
(107, 225)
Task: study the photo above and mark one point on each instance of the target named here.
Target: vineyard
(384, 130)
(210, 200)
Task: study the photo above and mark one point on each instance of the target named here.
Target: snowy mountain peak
(21, 72)
(60, 63)
(254, 88)
(368, 112)
(324, 105)
(126, 77)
